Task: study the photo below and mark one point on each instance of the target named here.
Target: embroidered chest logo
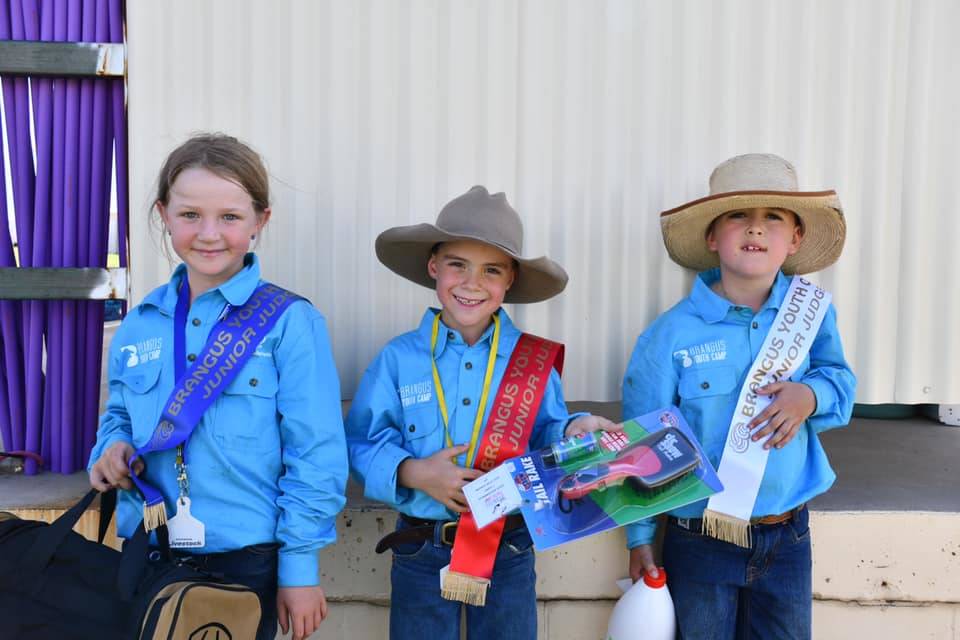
(416, 393)
(143, 351)
(701, 353)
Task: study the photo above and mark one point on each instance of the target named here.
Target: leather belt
(419, 530)
(696, 524)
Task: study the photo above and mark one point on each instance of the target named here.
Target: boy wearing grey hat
(447, 401)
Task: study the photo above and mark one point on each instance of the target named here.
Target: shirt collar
(447, 335)
(236, 291)
(713, 307)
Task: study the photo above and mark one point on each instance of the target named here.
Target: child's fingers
(459, 503)
(97, 480)
(298, 627)
(763, 416)
(773, 423)
(470, 474)
(770, 389)
(783, 435)
(610, 425)
(453, 452)
(282, 615)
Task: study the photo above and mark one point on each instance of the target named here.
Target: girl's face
(754, 243)
(211, 221)
(472, 279)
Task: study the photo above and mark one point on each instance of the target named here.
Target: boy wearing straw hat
(754, 361)
(444, 403)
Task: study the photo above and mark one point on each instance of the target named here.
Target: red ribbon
(505, 436)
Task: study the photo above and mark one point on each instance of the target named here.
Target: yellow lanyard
(487, 377)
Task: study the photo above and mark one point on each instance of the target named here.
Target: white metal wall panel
(593, 117)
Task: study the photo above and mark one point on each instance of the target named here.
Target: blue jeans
(724, 591)
(417, 610)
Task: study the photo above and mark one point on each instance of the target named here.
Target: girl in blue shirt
(753, 228)
(266, 465)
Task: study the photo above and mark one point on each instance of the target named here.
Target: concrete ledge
(886, 544)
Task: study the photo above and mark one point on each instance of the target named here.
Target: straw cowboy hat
(749, 181)
(475, 215)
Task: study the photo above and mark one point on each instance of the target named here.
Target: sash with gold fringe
(506, 435)
(231, 343)
(727, 516)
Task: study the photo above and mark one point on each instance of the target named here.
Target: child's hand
(794, 402)
(641, 562)
(440, 477)
(586, 424)
(301, 609)
(111, 469)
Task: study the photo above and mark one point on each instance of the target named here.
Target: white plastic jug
(645, 611)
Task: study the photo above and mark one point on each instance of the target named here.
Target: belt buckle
(444, 528)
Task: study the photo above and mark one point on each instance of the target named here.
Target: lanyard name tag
(186, 532)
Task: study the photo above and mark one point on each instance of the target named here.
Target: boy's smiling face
(472, 279)
(754, 243)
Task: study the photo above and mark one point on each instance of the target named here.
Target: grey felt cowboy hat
(475, 215)
(749, 181)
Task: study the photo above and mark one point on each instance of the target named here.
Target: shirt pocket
(246, 416)
(704, 402)
(422, 432)
(141, 399)
(706, 382)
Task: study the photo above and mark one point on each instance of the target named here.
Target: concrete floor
(881, 465)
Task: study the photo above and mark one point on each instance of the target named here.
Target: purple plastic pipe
(83, 213)
(52, 406)
(6, 260)
(99, 217)
(37, 310)
(120, 137)
(16, 105)
(68, 408)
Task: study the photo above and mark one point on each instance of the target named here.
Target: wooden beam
(19, 57)
(41, 283)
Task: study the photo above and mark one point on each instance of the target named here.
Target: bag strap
(50, 538)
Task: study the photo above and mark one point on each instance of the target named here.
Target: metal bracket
(56, 283)
(21, 57)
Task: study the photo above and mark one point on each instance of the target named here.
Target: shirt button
(191, 357)
(756, 325)
(704, 385)
(469, 365)
(196, 322)
(254, 382)
(450, 335)
(466, 402)
(412, 428)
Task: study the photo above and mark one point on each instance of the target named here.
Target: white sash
(727, 516)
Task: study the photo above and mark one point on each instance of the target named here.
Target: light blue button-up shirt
(395, 414)
(697, 355)
(268, 460)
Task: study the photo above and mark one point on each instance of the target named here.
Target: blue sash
(231, 343)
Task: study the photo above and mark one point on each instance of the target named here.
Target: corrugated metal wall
(593, 117)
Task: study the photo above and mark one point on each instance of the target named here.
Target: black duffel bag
(56, 584)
